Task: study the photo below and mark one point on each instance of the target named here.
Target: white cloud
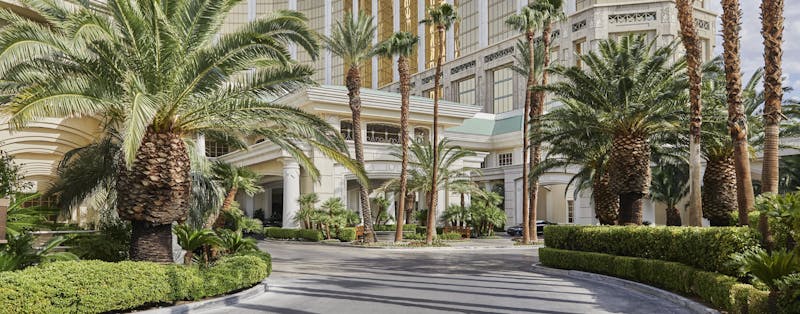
(752, 43)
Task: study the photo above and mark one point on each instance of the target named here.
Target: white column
(291, 191)
(201, 144)
(292, 47)
(392, 204)
(251, 10)
(421, 32)
(374, 42)
(483, 23)
(328, 55)
(249, 205)
(267, 203)
(520, 4)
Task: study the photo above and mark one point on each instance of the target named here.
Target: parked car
(517, 230)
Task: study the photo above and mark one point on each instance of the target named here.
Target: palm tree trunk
(737, 122)
(405, 78)
(215, 219)
(772, 31)
(435, 142)
(157, 190)
(410, 199)
(526, 231)
(693, 59)
(719, 190)
(606, 202)
(354, 93)
(152, 243)
(536, 113)
(629, 175)
(673, 216)
(187, 258)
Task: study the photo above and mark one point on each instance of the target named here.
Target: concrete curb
(399, 248)
(627, 284)
(227, 300)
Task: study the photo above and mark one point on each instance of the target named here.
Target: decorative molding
(462, 67)
(702, 24)
(429, 78)
(499, 54)
(579, 26)
(629, 18)
(555, 35)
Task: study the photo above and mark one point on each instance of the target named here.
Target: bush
(414, 236)
(424, 230)
(280, 233)
(97, 287)
(346, 234)
(723, 292)
(110, 245)
(406, 227)
(450, 236)
(704, 248)
(310, 235)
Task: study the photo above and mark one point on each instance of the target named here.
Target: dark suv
(517, 230)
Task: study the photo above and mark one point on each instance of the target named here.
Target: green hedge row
(97, 287)
(406, 227)
(723, 292)
(280, 233)
(346, 234)
(302, 234)
(704, 248)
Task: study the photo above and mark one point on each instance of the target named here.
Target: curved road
(310, 278)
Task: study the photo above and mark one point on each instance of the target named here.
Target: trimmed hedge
(450, 236)
(310, 235)
(723, 292)
(704, 248)
(97, 287)
(406, 227)
(280, 233)
(346, 234)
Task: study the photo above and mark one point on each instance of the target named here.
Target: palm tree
(159, 73)
(669, 187)
(550, 11)
(772, 31)
(691, 43)
(630, 87)
(527, 21)
(233, 179)
(191, 239)
(570, 143)
(441, 16)
(401, 44)
(737, 121)
(307, 204)
(351, 39)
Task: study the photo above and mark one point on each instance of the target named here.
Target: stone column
(291, 191)
(201, 144)
(267, 203)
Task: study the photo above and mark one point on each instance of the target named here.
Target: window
(505, 159)
(216, 149)
(579, 49)
(346, 127)
(466, 91)
(498, 11)
(430, 93)
(571, 211)
(422, 133)
(383, 133)
(503, 90)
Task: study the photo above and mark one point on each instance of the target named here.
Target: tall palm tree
(629, 86)
(441, 16)
(550, 11)
(737, 122)
(669, 186)
(401, 44)
(691, 42)
(159, 73)
(527, 21)
(351, 39)
(772, 31)
(233, 179)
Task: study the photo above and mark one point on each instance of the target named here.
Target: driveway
(328, 279)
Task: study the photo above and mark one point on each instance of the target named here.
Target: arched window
(383, 133)
(422, 133)
(346, 127)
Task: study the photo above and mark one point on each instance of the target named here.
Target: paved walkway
(329, 279)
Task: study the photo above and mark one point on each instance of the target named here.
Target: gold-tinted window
(503, 90)
(385, 30)
(498, 13)
(408, 23)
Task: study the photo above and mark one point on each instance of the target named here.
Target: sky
(752, 44)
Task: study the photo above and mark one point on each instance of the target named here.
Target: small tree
(191, 239)
(307, 204)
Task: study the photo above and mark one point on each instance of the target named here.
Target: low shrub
(450, 236)
(346, 234)
(704, 248)
(111, 244)
(424, 230)
(97, 287)
(280, 233)
(723, 292)
(406, 227)
(310, 235)
(414, 236)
